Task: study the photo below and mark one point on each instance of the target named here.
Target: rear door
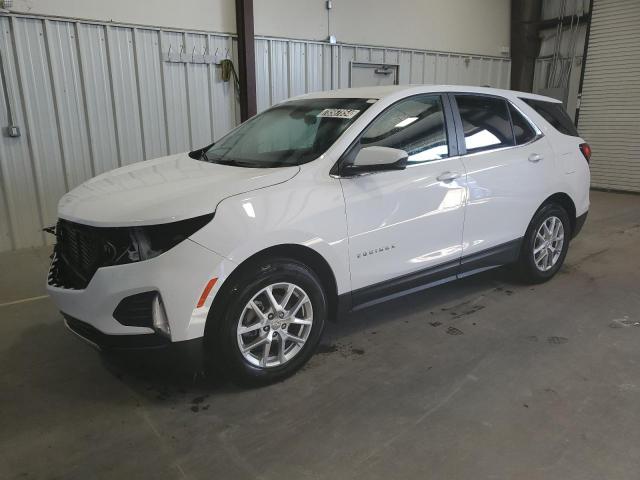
(509, 166)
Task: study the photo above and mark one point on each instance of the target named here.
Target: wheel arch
(565, 202)
(301, 253)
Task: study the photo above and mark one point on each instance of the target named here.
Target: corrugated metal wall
(285, 68)
(89, 97)
(559, 63)
(610, 107)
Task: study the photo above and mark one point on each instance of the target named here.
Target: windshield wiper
(234, 163)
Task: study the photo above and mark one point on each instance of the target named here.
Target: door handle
(535, 157)
(447, 176)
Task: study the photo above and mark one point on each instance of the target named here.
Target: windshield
(289, 134)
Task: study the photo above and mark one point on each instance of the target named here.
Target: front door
(405, 227)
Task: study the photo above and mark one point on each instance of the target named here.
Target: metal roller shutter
(610, 108)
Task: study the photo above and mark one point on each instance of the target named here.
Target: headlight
(153, 240)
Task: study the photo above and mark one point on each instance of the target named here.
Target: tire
(224, 339)
(534, 266)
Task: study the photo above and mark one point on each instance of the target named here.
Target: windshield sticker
(338, 113)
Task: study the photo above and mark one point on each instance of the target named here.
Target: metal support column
(525, 16)
(246, 58)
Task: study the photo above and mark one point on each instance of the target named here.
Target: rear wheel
(545, 244)
(271, 325)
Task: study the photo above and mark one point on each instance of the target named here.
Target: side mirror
(377, 159)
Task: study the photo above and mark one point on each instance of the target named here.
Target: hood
(163, 190)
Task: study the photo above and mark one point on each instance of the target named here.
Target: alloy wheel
(275, 325)
(548, 243)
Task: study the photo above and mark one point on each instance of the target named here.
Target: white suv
(324, 204)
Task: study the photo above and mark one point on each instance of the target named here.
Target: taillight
(586, 151)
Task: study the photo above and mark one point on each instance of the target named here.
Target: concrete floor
(483, 378)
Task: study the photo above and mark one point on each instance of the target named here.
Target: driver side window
(415, 125)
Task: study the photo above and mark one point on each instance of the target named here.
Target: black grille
(80, 250)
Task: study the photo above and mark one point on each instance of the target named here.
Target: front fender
(304, 211)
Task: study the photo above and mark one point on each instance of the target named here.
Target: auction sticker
(338, 113)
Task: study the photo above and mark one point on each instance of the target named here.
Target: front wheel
(545, 244)
(271, 325)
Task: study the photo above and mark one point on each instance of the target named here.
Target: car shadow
(160, 377)
(427, 301)
(61, 365)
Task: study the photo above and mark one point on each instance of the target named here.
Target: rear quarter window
(555, 114)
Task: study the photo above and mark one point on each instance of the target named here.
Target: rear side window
(485, 121)
(522, 129)
(555, 114)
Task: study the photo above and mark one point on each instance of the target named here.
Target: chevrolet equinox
(323, 204)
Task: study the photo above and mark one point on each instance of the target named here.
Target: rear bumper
(580, 221)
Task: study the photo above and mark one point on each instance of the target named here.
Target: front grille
(81, 249)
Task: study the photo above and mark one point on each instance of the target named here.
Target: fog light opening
(160, 321)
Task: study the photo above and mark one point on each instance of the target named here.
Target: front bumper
(178, 276)
(102, 341)
(186, 356)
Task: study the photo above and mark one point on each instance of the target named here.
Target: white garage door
(610, 108)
